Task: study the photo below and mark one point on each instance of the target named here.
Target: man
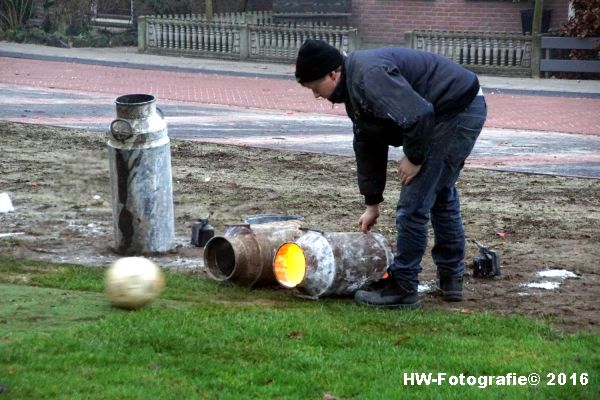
(435, 110)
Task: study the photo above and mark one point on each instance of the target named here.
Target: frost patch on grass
(556, 276)
(557, 273)
(89, 229)
(542, 285)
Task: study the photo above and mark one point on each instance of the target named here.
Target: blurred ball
(133, 282)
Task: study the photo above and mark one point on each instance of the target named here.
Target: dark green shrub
(171, 7)
(36, 35)
(76, 29)
(121, 39)
(14, 13)
(158, 7)
(16, 35)
(26, 35)
(70, 17)
(92, 39)
(57, 39)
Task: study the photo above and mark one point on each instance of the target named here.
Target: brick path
(525, 112)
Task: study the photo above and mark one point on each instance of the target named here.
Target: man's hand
(369, 218)
(407, 171)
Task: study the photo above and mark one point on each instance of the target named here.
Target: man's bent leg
(449, 249)
(412, 220)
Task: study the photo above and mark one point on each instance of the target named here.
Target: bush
(57, 39)
(584, 23)
(15, 35)
(71, 17)
(158, 7)
(14, 13)
(34, 35)
(586, 20)
(89, 38)
(172, 7)
(128, 38)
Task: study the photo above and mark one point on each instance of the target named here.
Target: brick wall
(384, 22)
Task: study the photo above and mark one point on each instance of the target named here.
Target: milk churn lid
(266, 218)
(135, 99)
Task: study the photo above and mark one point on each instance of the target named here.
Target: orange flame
(289, 265)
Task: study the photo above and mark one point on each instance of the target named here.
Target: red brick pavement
(524, 112)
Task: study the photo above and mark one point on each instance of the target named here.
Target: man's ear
(335, 75)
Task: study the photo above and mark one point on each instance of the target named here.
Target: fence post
(244, 42)
(142, 32)
(536, 52)
(353, 40)
(409, 38)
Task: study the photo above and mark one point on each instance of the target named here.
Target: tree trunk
(535, 35)
(208, 5)
(537, 17)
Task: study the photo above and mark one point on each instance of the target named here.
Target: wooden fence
(484, 52)
(240, 36)
(550, 64)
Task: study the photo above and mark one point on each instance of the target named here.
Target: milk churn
(244, 254)
(140, 173)
(320, 264)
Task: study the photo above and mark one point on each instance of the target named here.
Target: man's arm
(371, 167)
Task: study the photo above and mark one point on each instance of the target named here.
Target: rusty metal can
(322, 264)
(244, 253)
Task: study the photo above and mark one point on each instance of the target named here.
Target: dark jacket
(395, 97)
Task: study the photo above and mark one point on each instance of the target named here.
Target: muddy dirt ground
(59, 184)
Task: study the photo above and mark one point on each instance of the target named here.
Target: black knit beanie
(316, 59)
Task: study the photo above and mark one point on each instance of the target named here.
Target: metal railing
(484, 52)
(243, 36)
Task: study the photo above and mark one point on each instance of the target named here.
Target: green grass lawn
(59, 339)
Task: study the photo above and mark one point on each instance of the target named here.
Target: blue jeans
(432, 194)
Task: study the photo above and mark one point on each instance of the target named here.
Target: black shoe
(388, 293)
(380, 284)
(452, 288)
